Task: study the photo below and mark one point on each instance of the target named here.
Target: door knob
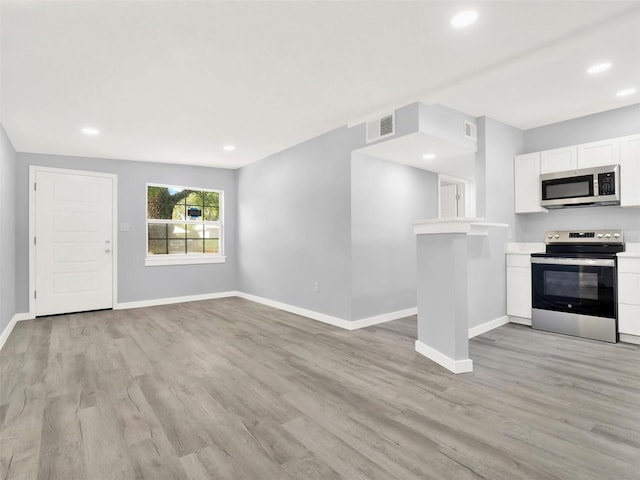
(107, 250)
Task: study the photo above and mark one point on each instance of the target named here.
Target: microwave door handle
(590, 262)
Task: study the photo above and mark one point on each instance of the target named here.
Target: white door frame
(469, 194)
(33, 169)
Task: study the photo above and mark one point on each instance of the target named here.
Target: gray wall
(590, 128)
(386, 198)
(610, 124)
(294, 224)
(8, 162)
(135, 281)
(497, 145)
(445, 123)
(295, 221)
(443, 303)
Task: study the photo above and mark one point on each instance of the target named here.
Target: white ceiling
(174, 81)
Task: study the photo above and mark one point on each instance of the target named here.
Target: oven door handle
(590, 262)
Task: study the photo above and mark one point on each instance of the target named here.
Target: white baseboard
(385, 317)
(170, 300)
(455, 366)
(490, 325)
(331, 320)
(18, 317)
(630, 338)
(520, 320)
(335, 321)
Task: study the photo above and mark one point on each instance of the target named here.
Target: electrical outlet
(316, 286)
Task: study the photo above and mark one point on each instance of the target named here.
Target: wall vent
(381, 127)
(470, 131)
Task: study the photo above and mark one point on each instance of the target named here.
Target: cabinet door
(629, 319)
(519, 292)
(629, 288)
(599, 154)
(527, 183)
(559, 159)
(630, 171)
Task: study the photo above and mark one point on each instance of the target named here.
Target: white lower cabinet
(519, 286)
(629, 296)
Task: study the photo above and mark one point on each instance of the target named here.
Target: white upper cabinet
(630, 171)
(527, 183)
(623, 151)
(599, 154)
(559, 159)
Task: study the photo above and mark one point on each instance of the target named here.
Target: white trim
(335, 321)
(385, 317)
(626, 338)
(170, 300)
(156, 260)
(33, 169)
(520, 320)
(331, 320)
(18, 317)
(490, 325)
(468, 194)
(455, 366)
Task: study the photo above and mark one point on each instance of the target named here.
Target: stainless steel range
(574, 284)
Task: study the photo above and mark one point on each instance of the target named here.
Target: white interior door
(73, 242)
(449, 200)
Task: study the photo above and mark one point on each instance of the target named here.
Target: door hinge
(34, 186)
(34, 240)
(34, 294)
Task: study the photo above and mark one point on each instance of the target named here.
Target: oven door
(585, 286)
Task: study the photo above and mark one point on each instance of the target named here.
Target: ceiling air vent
(380, 128)
(470, 130)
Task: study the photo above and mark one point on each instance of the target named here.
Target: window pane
(195, 231)
(166, 202)
(211, 199)
(195, 246)
(211, 231)
(177, 247)
(211, 246)
(157, 230)
(176, 230)
(211, 214)
(157, 247)
(195, 197)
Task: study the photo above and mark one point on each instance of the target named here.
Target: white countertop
(632, 250)
(468, 226)
(522, 248)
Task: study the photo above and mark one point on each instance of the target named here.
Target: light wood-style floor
(229, 389)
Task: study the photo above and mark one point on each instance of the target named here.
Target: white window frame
(191, 258)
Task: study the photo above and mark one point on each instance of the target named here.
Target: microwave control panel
(606, 183)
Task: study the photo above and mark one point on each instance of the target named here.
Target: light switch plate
(124, 227)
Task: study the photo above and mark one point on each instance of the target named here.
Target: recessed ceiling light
(626, 92)
(599, 67)
(90, 131)
(464, 18)
(429, 156)
(229, 148)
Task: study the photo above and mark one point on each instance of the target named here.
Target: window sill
(157, 260)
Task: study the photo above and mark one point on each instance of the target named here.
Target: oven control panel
(586, 236)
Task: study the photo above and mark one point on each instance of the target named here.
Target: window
(184, 225)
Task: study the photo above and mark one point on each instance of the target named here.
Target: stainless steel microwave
(581, 188)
